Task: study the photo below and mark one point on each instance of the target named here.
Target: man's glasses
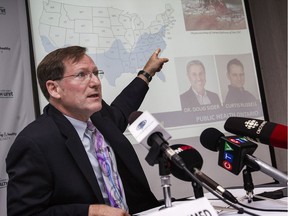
(82, 76)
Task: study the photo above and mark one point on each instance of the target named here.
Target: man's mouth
(93, 95)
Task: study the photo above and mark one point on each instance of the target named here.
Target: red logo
(227, 165)
(185, 147)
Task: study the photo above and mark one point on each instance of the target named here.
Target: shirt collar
(205, 94)
(79, 126)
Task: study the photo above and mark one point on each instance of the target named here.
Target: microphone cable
(266, 210)
(240, 210)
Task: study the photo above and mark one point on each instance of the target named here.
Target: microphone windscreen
(209, 138)
(278, 137)
(133, 116)
(191, 158)
(259, 130)
(253, 128)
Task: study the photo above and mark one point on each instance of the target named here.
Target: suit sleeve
(128, 101)
(30, 184)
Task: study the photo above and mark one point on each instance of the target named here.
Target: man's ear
(53, 88)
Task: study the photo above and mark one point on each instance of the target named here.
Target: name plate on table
(198, 207)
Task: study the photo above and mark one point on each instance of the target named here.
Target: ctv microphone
(194, 161)
(149, 132)
(235, 152)
(232, 149)
(259, 130)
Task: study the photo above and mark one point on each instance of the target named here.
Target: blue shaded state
(48, 46)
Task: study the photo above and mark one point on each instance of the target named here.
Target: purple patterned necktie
(109, 172)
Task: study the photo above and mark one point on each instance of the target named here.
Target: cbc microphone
(258, 130)
(193, 160)
(149, 132)
(235, 152)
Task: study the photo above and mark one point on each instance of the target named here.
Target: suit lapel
(77, 150)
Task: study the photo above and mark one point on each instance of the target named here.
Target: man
(197, 95)
(236, 76)
(52, 165)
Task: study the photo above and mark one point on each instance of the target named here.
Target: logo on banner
(3, 183)
(2, 11)
(2, 49)
(6, 94)
(7, 136)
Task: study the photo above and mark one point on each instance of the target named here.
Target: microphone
(231, 149)
(259, 130)
(193, 160)
(235, 152)
(191, 157)
(149, 132)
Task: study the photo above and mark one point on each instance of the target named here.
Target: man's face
(236, 76)
(197, 77)
(80, 99)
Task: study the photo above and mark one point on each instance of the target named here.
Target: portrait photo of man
(197, 95)
(236, 90)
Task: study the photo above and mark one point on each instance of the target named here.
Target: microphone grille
(209, 138)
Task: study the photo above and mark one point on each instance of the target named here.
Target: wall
(269, 20)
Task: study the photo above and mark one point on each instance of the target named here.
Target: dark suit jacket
(239, 95)
(49, 170)
(189, 99)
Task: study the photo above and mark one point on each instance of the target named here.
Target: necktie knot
(90, 126)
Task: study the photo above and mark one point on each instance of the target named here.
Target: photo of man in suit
(236, 91)
(54, 165)
(197, 95)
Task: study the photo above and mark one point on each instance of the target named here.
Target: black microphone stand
(198, 189)
(164, 172)
(155, 156)
(248, 183)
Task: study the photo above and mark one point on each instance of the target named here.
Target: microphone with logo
(148, 132)
(235, 152)
(193, 160)
(259, 130)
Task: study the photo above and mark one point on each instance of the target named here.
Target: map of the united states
(118, 41)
